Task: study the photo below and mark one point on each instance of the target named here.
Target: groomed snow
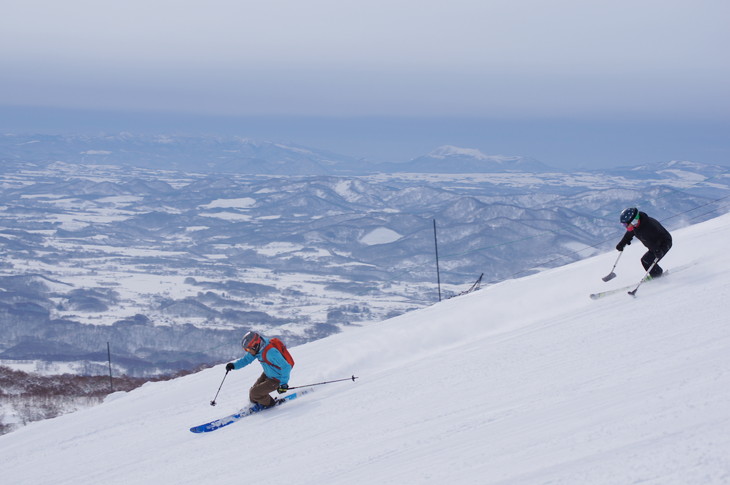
(524, 382)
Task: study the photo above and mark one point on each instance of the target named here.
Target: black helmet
(629, 215)
(251, 341)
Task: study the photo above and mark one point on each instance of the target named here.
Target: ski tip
(594, 296)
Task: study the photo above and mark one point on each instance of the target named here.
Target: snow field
(524, 382)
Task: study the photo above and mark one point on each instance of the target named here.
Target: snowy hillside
(134, 256)
(524, 382)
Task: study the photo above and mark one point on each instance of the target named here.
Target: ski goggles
(631, 225)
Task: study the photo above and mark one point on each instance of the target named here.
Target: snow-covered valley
(167, 266)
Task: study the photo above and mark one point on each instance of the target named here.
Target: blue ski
(219, 423)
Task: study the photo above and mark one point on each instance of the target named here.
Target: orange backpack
(278, 345)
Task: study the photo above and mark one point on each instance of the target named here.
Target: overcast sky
(497, 59)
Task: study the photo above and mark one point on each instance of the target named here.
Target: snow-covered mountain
(525, 382)
(168, 265)
(211, 154)
(452, 159)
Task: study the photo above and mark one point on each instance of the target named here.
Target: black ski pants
(658, 253)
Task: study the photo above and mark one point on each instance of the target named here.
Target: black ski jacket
(651, 233)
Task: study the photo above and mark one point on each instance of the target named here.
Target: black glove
(622, 244)
(230, 367)
(283, 388)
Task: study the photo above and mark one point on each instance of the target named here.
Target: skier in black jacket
(651, 233)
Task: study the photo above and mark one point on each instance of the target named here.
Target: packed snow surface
(524, 382)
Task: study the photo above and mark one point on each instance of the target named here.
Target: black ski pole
(212, 403)
(326, 382)
(612, 275)
(633, 292)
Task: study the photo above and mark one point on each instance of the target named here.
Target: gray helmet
(251, 341)
(629, 215)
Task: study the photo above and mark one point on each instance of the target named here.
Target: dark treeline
(26, 397)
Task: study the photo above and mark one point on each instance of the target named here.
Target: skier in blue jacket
(276, 368)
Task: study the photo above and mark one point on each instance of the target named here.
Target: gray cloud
(394, 57)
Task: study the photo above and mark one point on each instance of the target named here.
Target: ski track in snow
(524, 382)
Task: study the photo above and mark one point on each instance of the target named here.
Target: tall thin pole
(436, 244)
(109, 356)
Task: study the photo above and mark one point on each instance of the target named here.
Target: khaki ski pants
(260, 390)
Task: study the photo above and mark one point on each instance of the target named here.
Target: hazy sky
(511, 60)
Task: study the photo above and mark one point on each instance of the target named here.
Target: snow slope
(525, 382)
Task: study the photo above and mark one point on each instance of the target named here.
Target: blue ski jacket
(275, 366)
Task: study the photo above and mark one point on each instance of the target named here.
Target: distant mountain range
(169, 248)
(214, 154)
(451, 159)
(209, 154)
(242, 155)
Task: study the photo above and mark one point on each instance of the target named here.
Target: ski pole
(326, 382)
(212, 403)
(633, 292)
(612, 275)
